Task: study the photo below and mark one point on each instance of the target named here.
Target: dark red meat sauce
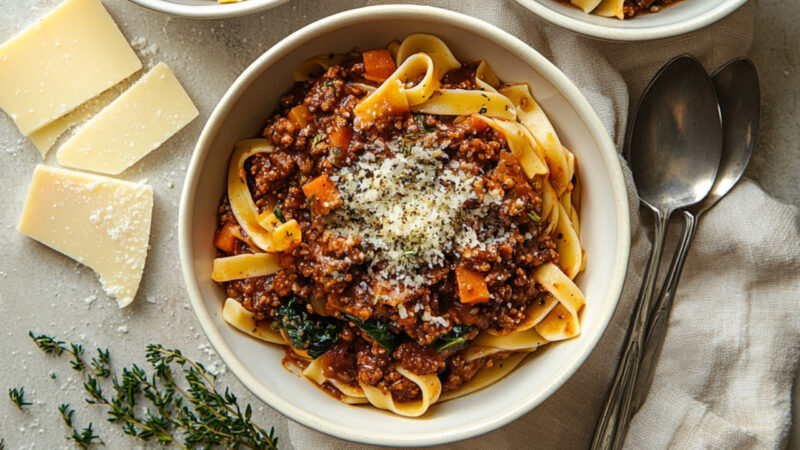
(332, 268)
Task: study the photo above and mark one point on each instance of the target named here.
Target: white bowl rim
(625, 34)
(213, 10)
(547, 70)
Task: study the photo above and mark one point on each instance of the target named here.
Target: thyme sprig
(190, 414)
(17, 396)
(83, 438)
(52, 346)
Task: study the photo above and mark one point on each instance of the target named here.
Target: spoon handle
(657, 328)
(613, 423)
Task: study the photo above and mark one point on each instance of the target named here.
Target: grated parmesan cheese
(411, 209)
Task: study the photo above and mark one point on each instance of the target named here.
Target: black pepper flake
(483, 110)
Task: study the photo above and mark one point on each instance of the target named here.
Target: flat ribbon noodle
(313, 66)
(535, 120)
(486, 377)
(567, 244)
(353, 395)
(463, 102)
(246, 265)
(235, 315)
(550, 211)
(562, 321)
(242, 205)
(393, 97)
(517, 341)
(440, 54)
(586, 5)
(519, 144)
(610, 8)
(429, 385)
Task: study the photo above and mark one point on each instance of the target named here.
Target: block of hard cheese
(72, 54)
(101, 222)
(132, 126)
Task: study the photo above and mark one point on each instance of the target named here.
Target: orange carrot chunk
(322, 194)
(225, 239)
(300, 115)
(378, 65)
(472, 286)
(341, 137)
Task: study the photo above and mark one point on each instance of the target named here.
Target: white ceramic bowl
(207, 9)
(680, 18)
(241, 114)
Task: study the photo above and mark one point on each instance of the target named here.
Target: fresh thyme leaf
(17, 396)
(421, 124)
(318, 138)
(456, 336)
(191, 413)
(336, 151)
(47, 344)
(309, 332)
(51, 346)
(411, 252)
(377, 330)
(278, 213)
(534, 217)
(406, 149)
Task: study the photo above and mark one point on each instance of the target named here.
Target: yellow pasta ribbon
(235, 315)
(247, 265)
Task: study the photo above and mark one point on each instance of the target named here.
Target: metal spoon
(674, 147)
(737, 88)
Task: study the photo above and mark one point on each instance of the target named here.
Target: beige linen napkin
(725, 374)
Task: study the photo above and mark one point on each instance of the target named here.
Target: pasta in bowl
(407, 227)
(328, 200)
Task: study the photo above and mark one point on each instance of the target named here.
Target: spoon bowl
(676, 137)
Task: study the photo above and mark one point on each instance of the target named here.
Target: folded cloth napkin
(725, 374)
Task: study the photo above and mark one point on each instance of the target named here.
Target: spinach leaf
(377, 330)
(309, 332)
(457, 335)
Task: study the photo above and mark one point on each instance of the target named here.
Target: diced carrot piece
(341, 137)
(225, 239)
(322, 193)
(378, 65)
(300, 115)
(472, 286)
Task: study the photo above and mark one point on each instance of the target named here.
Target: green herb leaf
(377, 330)
(336, 151)
(318, 138)
(278, 213)
(17, 396)
(421, 124)
(309, 332)
(411, 252)
(534, 217)
(456, 336)
(406, 149)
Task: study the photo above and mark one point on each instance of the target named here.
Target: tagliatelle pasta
(407, 226)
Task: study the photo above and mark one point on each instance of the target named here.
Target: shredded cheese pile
(409, 210)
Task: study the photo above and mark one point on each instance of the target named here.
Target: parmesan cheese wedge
(65, 58)
(133, 125)
(100, 222)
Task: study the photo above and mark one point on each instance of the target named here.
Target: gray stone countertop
(42, 290)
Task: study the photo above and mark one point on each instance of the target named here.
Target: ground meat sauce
(337, 270)
(632, 8)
